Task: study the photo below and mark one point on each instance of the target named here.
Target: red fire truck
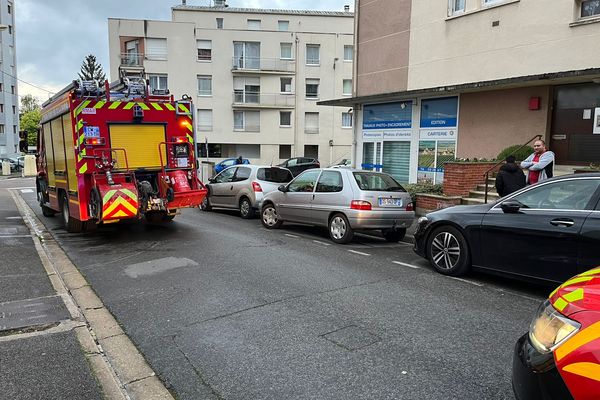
(108, 153)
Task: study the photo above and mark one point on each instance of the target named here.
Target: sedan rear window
(275, 175)
(374, 181)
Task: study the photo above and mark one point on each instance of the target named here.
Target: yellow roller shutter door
(141, 143)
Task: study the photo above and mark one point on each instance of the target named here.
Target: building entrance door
(574, 117)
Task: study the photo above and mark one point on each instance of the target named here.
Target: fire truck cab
(108, 153)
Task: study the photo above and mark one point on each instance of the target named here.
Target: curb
(120, 368)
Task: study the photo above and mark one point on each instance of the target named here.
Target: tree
(91, 70)
(30, 117)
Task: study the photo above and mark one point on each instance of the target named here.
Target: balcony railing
(246, 128)
(132, 59)
(263, 64)
(263, 99)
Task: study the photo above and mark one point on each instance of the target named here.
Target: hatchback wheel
(340, 230)
(246, 210)
(269, 217)
(448, 251)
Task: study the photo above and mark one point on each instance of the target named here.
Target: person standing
(510, 178)
(540, 164)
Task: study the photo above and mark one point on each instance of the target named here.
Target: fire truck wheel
(73, 225)
(246, 210)
(48, 212)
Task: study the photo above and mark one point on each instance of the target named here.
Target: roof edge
(317, 13)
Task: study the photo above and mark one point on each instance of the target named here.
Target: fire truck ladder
(88, 89)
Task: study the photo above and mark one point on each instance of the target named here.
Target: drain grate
(32, 312)
(352, 337)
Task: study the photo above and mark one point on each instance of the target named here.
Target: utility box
(29, 167)
(207, 170)
(5, 168)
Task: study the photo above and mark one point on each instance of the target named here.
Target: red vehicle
(107, 154)
(560, 356)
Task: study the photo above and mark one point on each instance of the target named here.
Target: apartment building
(255, 77)
(436, 80)
(9, 100)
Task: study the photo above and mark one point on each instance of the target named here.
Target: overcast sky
(54, 36)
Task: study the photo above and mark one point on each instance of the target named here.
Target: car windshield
(275, 175)
(375, 181)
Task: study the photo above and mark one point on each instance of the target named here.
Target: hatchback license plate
(390, 202)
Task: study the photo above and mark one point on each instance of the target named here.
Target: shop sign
(449, 134)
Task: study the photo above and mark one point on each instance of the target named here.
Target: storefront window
(396, 115)
(439, 113)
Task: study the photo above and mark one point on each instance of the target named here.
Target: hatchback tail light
(360, 205)
(256, 187)
(410, 206)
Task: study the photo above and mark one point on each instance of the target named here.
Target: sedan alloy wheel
(447, 251)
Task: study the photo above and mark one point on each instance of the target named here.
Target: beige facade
(237, 65)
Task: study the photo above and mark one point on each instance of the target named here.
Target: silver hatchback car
(242, 187)
(343, 200)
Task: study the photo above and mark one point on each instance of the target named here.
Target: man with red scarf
(540, 164)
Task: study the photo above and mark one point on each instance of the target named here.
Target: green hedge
(414, 188)
(520, 155)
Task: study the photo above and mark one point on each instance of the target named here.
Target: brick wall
(460, 178)
(431, 202)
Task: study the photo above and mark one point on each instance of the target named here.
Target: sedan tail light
(410, 206)
(256, 187)
(360, 205)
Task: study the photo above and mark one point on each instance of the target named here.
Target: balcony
(132, 59)
(264, 65)
(244, 99)
(246, 128)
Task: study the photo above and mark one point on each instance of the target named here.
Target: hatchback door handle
(562, 222)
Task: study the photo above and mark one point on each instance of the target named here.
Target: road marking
(406, 265)
(359, 252)
(26, 190)
(14, 217)
(292, 236)
(14, 236)
(323, 243)
(466, 281)
(19, 188)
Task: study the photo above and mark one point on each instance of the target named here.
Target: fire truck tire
(246, 209)
(47, 211)
(73, 225)
(42, 187)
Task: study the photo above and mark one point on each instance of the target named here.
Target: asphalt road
(225, 309)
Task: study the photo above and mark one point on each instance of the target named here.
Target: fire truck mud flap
(118, 201)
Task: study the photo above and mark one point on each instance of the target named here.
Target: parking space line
(406, 265)
(26, 190)
(359, 252)
(292, 236)
(466, 281)
(14, 236)
(323, 243)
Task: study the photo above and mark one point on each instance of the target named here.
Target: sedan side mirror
(211, 180)
(282, 188)
(511, 206)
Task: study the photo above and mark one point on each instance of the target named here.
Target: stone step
(481, 188)
(492, 195)
(471, 200)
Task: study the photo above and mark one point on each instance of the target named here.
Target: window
(10, 29)
(283, 26)
(14, 109)
(132, 54)
(246, 55)
(1, 128)
(572, 194)
(373, 181)
(158, 82)
(246, 89)
(1, 108)
(285, 151)
(205, 120)
(254, 24)
(589, 8)
(311, 122)
(312, 88)
(285, 52)
(457, 7)
(204, 85)
(14, 129)
(204, 50)
(12, 89)
(347, 87)
(286, 85)
(242, 174)
(312, 54)
(311, 151)
(247, 121)
(346, 120)
(156, 49)
(440, 112)
(330, 181)
(219, 23)
(225, 176)
(285, 118)
(348, 53)
(305, 182)
(275, 174)
(1, 90)
(10, 9)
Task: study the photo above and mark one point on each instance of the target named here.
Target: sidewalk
(40, 355)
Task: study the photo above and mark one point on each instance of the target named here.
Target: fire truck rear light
(410, 206)
(256, 187)
(180, 139)
(360, 205)
(95, 141)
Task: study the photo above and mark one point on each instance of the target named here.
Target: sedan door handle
(563, 222)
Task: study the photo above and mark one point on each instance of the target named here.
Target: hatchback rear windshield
(374, 181)
(275, 175)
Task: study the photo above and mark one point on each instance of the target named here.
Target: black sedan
(547, 232)
(300, 164)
